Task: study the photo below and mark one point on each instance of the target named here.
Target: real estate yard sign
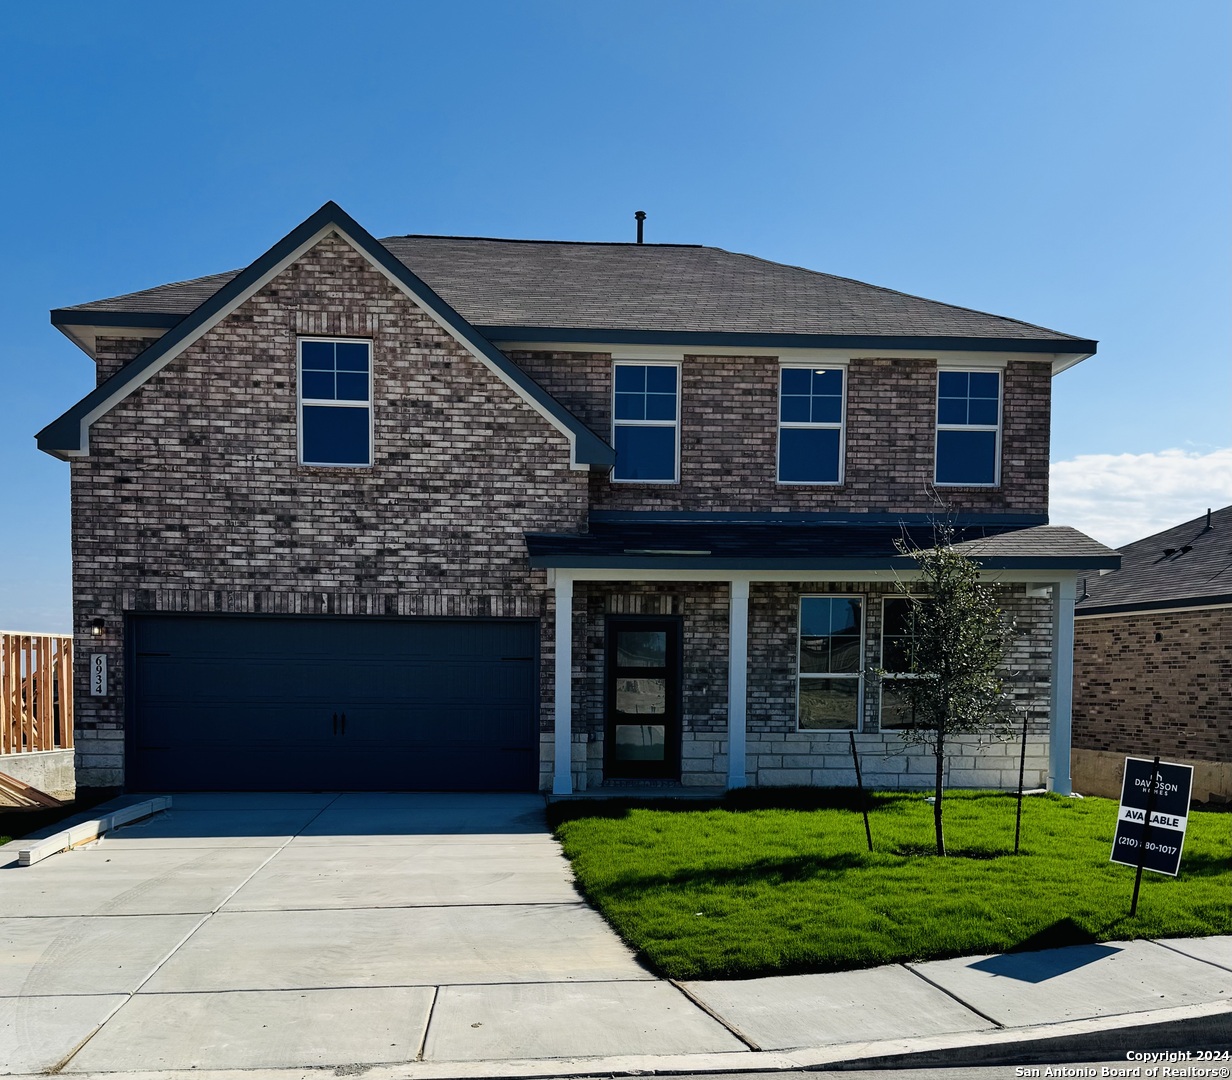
(1160, 848)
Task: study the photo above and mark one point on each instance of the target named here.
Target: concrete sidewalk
(433, 936)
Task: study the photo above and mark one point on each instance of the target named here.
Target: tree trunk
(940, 752)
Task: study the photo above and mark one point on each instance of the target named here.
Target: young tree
(957, 638)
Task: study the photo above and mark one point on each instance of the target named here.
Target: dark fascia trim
(65, 437)
(718, 517)
(77, 317)
(1153, 605)
(80, 317)
(1047, 564)
(700, 339)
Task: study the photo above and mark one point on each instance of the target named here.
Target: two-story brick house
(326, 511)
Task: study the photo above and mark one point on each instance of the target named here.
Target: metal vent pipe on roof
(641, 217)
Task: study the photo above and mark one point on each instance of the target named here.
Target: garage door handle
(344, 723)
(335, 723)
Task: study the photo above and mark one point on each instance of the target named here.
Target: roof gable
(68, 435)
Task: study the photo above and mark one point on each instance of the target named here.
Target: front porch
(749, 712)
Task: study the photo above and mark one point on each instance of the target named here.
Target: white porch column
(1061, 713)
(737, 681)
(562, 778)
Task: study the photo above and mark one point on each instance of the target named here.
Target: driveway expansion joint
(716, 1016)
(423, 1036)
(1189, 956)
(949, 993)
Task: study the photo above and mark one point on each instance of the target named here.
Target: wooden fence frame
(36, 692)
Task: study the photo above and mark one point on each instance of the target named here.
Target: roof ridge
(900, 292)
(528, 240)
(1199, 521)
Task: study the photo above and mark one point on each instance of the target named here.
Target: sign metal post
(860, 784)
(1146, 832)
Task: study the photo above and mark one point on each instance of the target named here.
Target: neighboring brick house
(326, 508)
(1153, 659)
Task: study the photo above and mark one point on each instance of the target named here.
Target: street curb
(33, 851)
(1189, 1027)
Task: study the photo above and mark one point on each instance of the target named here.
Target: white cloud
(1118, 498)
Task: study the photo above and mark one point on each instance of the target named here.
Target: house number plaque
(98, 674)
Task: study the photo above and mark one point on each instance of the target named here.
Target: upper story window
(335, 402)
(646, 422)
(810, 425)
(831, 662)
(968, 427)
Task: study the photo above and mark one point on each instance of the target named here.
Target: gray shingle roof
(1179, 567)
(505, 284)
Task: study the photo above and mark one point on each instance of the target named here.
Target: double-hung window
(810, 425)
(646, 422)
(896, 641)
(335, 402)
(968, 427)
(830, 667)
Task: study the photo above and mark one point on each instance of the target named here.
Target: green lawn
(754, 888)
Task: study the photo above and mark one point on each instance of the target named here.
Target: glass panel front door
(643, 698)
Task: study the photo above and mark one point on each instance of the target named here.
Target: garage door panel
(199, 725)
(423, 727)
(228, 680)
(220, 702)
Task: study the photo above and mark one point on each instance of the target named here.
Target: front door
(643, 697)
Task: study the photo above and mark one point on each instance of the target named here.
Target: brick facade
(729, 432)
(192, 499)
(1155, 683)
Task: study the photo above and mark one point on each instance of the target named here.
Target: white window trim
(841, 427)
(301, 401)
(938, 427)
(674, 424)
(881, 656)
(858, 674)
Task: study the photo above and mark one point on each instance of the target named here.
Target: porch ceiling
(745, 546)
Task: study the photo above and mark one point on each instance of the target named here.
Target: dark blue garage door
(220, 703)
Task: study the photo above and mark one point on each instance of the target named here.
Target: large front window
(335, 402)
(810, 425)
(831, 662)
(968, 427)
(645, 422)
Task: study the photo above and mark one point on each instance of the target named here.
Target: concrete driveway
(276, 930)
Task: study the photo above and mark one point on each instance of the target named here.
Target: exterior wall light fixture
(96, 629)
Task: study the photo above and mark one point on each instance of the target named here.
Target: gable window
(810, 425)
(896, 661)
(646, 422)
(968, 427)
(831, 648)
(335, 402)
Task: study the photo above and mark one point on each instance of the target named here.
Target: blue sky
(1062, 163)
